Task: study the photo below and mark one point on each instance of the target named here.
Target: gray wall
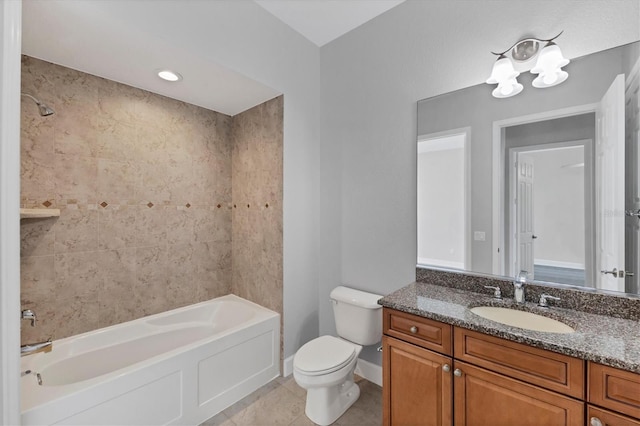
(371, 79)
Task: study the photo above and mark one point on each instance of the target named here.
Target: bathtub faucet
(28, 314)
(36, 347)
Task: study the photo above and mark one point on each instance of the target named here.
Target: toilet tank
(358, 315)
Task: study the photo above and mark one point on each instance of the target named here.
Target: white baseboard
(365, 369)
(558, 264)
(287, 367)
(370, 371)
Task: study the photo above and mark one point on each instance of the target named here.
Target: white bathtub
(176, 367)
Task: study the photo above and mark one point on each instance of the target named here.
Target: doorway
(442, 218)
(547, 210)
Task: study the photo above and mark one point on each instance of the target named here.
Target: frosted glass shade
(507, 89)
(502, 71)
(548, 67)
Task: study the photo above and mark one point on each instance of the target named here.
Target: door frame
(499, 186)
(466, 131)
(589, 202)
(10, 50)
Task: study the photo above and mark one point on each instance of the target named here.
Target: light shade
(507, 89)
(502, 71)
(504, 75)
(548, 67)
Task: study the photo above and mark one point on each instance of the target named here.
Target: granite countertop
(603, 339)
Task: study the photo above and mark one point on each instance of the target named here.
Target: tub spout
(36, 347)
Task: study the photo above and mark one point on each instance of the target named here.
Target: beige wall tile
(116, 226)
(117, 180)
(76, 231)
(36, 237)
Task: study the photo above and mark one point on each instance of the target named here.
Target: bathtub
(177, 367)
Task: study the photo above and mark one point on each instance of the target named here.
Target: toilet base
(326, 404)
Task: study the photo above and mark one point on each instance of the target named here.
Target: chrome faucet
(33, 348)
(497, 293)
(28, 314)
(518, 286)
(36, 347)
(543, 302)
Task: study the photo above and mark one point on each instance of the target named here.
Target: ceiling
(173, 34)
(322, 21)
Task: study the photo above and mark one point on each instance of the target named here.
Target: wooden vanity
(440, 374)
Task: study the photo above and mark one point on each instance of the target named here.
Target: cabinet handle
(457, 372)
(413, 329)
(595, 421)
(446, 368)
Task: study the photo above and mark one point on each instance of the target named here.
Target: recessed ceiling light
(169, 75)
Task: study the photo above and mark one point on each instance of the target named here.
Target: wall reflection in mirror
(545, 182)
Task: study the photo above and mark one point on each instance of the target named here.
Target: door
(609, 182)
(524, 215)
(632, 156)
(416, 385)
(485, 398)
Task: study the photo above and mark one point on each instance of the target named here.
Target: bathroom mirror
(545, 181)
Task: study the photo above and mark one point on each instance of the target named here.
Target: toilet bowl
(325, 365)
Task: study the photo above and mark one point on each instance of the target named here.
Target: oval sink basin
(522, 319)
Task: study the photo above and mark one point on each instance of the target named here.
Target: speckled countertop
(603, 339)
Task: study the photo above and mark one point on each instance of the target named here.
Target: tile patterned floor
(282, 401)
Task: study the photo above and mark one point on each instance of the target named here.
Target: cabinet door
(484, 398)
(599, 417)
(416, 385)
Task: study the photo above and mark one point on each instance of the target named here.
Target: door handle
(632, 213)
(613, 272)
(533, 237)
(618, 274)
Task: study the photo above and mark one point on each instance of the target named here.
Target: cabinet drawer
(420, 331)
(599, 417)
(557, 372)
(616, 389)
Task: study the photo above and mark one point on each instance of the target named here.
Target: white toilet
(325, 366)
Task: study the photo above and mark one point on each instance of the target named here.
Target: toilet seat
(323, 355)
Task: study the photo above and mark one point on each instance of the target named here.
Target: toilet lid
(323, 355)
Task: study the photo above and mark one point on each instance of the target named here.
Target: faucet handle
(543, 300)
(28, 314)
(497, 293)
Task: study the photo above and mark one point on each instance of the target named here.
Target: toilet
(325, 366)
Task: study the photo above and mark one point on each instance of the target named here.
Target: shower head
(42, 108)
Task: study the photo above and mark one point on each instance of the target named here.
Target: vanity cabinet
(437, 374)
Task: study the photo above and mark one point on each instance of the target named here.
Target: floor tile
(282, 402)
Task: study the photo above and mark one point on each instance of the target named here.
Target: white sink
(522, 319)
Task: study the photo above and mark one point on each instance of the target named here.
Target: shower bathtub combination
(177, 367)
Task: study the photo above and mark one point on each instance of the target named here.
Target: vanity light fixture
(169, 75)
(548, 66)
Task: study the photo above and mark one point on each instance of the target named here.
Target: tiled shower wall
(143, 184)
(257, 204)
